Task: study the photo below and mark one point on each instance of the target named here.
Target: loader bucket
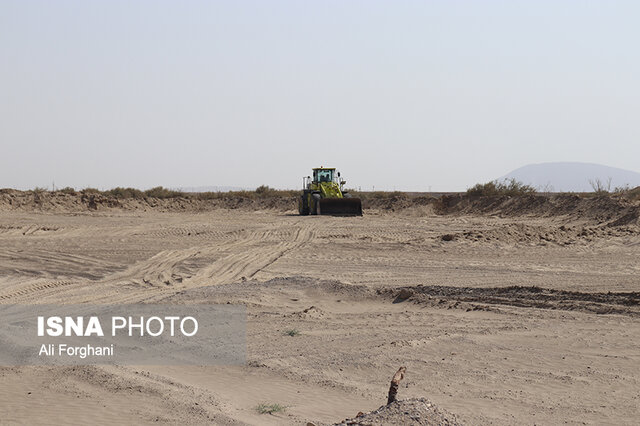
(340, 206)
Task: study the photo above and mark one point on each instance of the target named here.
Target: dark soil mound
(416, 411)
(625, 303)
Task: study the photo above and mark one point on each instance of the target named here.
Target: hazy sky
(407, 95)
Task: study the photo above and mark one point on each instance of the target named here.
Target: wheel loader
(323, 194)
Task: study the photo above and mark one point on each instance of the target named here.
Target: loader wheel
(316, 203)
(303, 206)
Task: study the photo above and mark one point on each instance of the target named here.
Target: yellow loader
(323, 194)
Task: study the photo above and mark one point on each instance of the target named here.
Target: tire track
(39, 287)
(252, 260)
(171, 271)
(57, 263)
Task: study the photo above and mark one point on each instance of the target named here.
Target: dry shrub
(509, 187)
(160, 192)
(122, 193)
(632, 194)
(377, 195)
(68, 190)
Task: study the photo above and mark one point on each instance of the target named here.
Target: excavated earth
(416, 411)
(504, 310)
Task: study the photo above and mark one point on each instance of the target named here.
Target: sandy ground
(565, 355)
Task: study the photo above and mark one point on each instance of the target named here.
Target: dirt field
(499, 320)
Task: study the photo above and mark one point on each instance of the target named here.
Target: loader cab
(323, 175)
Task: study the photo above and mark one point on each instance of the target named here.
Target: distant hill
(572, 177)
